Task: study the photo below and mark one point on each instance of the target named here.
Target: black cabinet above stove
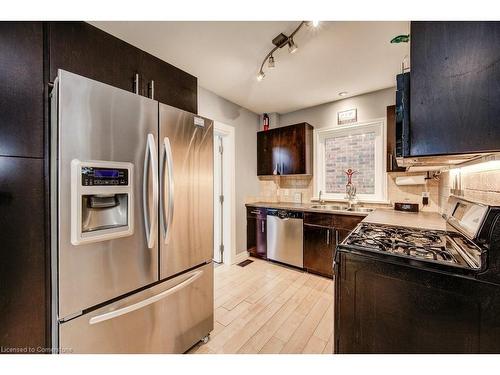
(455, 86)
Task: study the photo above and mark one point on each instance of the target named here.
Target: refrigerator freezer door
(186, 190)
(101, 123)
(167, 318)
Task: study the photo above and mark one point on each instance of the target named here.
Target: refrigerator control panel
(95, 176)
(102, 200)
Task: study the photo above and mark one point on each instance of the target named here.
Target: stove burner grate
(421, 244)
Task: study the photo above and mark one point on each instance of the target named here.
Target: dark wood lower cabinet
(257, 232)
(322, 233)
(319, 245)
(22, 254)
(383, 308)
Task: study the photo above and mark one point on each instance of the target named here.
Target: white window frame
(320, 135)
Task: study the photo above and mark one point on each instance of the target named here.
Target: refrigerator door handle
(168, 180)
(146, 302)
(150, 217)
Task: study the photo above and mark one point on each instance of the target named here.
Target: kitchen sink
(359, 209)
(329, 207)
(341, 208)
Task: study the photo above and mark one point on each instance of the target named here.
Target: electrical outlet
(297, 197)
(425, 198)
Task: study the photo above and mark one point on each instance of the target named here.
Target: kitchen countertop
(306, 207)
(420, 220)
(384, 216)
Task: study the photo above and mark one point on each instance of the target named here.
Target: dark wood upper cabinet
(268, 160)
(21, 93)
(83, 49)
(455, 86)
(22, 253)
(392, 165)
(172, 86)
(285, 151)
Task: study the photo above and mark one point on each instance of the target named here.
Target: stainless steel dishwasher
(285, 236)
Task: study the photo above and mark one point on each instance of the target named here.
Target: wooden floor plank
(266, 308)
(273, 346)
(225, 317)
(314, 346)
(306, 329)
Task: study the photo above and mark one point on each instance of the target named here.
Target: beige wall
(370, 106)
(246, 124)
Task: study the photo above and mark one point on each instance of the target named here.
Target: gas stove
(451, 248)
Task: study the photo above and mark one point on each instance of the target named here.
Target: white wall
(246, 124)
(370, 106)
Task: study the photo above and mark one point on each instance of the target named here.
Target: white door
(218, 199)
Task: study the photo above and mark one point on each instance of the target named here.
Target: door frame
(228, 134)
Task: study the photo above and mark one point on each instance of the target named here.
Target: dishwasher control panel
(285, 214)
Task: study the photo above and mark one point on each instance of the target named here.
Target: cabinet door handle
(262, 226)
(152, 89)
(136, 83)
(328, 236)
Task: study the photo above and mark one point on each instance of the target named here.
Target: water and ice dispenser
(102, 201)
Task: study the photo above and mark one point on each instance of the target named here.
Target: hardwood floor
(268, 308)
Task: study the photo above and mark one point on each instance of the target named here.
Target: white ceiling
(225, 56)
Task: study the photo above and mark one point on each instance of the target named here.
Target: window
(360, 147)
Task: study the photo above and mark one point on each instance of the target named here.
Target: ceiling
(225, 56)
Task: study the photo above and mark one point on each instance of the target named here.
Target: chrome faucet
(321, 201)
(350, 189)
(350, 192)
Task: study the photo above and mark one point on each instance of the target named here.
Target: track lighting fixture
(270, 62)
(313, 23)
(281, 41)
(292, 47)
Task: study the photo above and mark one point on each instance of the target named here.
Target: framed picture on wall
(347, 117)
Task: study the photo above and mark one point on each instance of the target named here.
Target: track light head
(260, 76)
(313, 23)
(270, 62)
(292, 47)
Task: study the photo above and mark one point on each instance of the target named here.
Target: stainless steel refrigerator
(132, 221)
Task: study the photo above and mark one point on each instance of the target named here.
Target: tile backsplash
(284, 189)
(478, 186)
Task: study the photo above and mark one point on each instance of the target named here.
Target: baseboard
(240, 257)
